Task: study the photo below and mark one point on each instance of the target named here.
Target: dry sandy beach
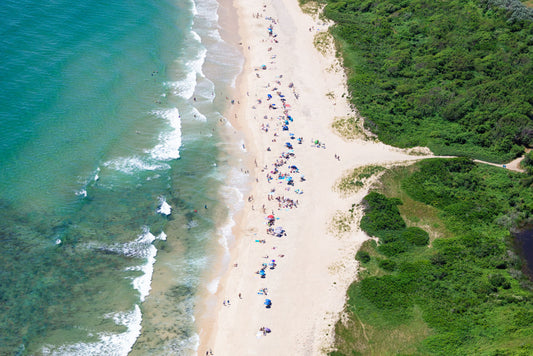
(287, 82)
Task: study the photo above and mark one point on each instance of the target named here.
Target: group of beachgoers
(285, 177)
(274, 119)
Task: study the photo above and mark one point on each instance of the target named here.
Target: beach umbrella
(271, 217)
(268, 302)
(262, 272)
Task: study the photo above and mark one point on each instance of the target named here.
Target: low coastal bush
(387, 265)
(381, 215)
(527, 162)
(382, 219)
(415, 236)
(362, 256)
(465, 294)
(356, 179)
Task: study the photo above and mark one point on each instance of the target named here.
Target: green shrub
(362, 256)
(387, 265)
(498, 280)
(527, 162)
(416, 236)
(381, 214)
(394, 248)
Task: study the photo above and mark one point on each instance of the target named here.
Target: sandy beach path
(288, 91)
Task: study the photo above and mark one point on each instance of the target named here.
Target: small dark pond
(524, 245)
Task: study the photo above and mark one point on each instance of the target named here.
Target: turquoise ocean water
(111, 158)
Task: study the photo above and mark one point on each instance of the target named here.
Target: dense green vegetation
(463, 294)
(527, 162)
(453, 75)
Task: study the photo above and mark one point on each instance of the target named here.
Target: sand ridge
(287, 82)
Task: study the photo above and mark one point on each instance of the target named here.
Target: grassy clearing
(351, 128)
(368, 332)
(310, 7)
(342, 223)
(323, 42)
(357, 179)
(415, 213)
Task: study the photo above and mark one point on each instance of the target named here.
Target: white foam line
(131, 165)
(164, 208)
(108, 343)
(169, 141)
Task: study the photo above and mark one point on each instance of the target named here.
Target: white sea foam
(226, 234)
(197, 63)
(212, 286)
(198, 115)
(82, 193)
(206, 89)
(207, 13)
(191, 67)
(108, 344)
(167, 148)
(233, 194)
(164, 208)
(142, 247)
(215, 35)
(131, 165)
(184, 87)
(144, 283)
(194, 10)
(169, 141)
(86, 182)
(190, 344)
(196, 37)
